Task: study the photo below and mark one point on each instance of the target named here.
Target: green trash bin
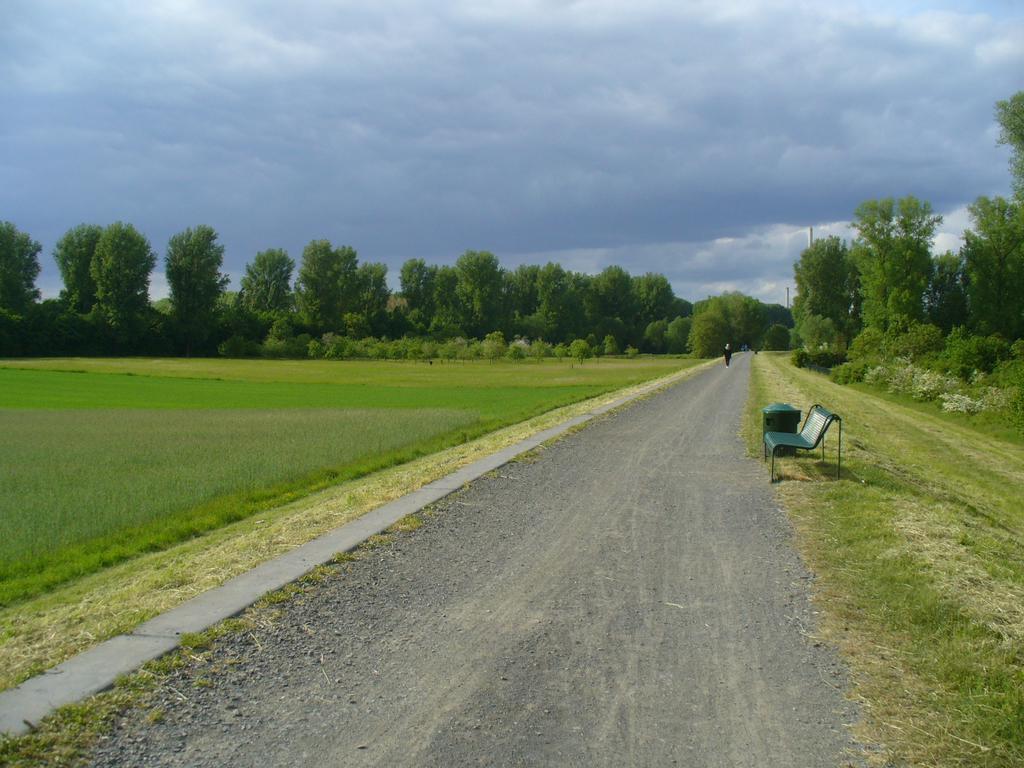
(780, 417)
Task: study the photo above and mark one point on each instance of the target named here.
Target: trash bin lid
(780, 408)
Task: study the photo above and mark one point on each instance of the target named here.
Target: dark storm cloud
(697, 141)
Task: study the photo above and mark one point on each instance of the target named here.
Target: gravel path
(626, 596)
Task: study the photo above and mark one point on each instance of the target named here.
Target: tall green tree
(731, 317)
(655, 336)
(945, 301)
(559, 305)
(267, 282)
(710, 329)
(192, 263)
(521, 294)
(778, 314)
(612, 306)
(776, 337)
(120, 268)
(993, 254)
(19, 268)
(826, 283)
(677, 336)
(654, 298)
(893, 256)
(327, 286)
(748, 318)
(417, 283)
(479, 292)
(1010, 115)
(447, 320)
(372, 301)
(74, 253)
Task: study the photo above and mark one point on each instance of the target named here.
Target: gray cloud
(588, 129)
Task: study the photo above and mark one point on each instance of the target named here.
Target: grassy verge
(920, 561)
(43, 631)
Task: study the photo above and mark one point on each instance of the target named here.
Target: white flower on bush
(901, 377)
(928, 385)
(995, 399)
(960, 403)
(877, 375)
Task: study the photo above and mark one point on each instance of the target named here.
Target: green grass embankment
(919, 550)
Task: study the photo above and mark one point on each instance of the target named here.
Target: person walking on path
(728, 355)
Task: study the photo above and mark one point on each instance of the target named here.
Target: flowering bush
(929, 385)
(996, 399)
(923, 384)
(959, 403)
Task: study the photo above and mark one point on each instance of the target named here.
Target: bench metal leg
(839, 458)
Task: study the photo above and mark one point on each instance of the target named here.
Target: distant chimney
(810, 236)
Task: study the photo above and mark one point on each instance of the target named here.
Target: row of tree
(887, 278)
(105, 308)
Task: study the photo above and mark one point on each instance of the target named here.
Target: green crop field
(104, 459)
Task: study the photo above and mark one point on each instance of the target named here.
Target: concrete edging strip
(96, 669)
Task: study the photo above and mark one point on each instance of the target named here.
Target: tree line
(946, 327)
(282, 308)
(887, 279)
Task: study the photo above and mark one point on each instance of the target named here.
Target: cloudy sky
(695, 138)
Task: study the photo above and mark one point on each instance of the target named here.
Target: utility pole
(787, 297)
(810, 236)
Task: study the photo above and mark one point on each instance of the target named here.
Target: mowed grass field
(102, 460)
(919, 554)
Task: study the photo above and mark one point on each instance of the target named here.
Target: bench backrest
(816, 423)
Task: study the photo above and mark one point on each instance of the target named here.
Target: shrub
(824, 358)
(918, 342)
(274, 348)
(453, 349)
(494, 345)
(848, 373)
(960, 403)
(818, 332)
(966, 354)
(540, 349)
(335, 347)
(429, 349)
(238, 346)
(929, 385)
(776, 337)
(632, 351)
(581, 350)
(1016, 406)
(677, 336)
(867, 345)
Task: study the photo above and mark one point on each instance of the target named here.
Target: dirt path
(626, 597)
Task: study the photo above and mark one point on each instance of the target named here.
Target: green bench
(807, 439)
